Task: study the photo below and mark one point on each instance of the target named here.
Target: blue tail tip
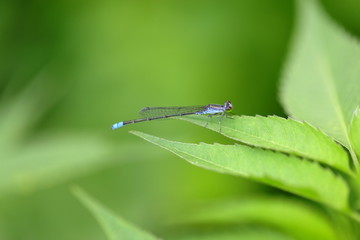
(117, 125)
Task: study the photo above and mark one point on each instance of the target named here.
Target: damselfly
(153, 113)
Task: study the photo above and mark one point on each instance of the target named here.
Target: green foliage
(115, 227)
(279, 134)
(305, 178)
(321, 78)
(207, 51)
(321, 87)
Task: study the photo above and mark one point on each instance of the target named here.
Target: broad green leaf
(321, 81)
(355, 131)
(279, 134)
(294, 217)
(115, 227)
(299, 176)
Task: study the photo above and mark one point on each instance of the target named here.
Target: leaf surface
(301, 177)
(280, 134)
(321, 81)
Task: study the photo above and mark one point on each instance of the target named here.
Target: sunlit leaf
(115, 227)
(301, 177)
(279, 134)
(321, 81)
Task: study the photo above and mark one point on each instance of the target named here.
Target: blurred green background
(70, 69)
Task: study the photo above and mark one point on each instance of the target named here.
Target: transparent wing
(162, 111)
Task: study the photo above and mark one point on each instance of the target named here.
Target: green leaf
(114, 226)
(355, 131)
(294, 217)
(321, 81)
(299, 176)
(279, 134)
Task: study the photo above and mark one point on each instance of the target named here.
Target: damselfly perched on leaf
(153, 113)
